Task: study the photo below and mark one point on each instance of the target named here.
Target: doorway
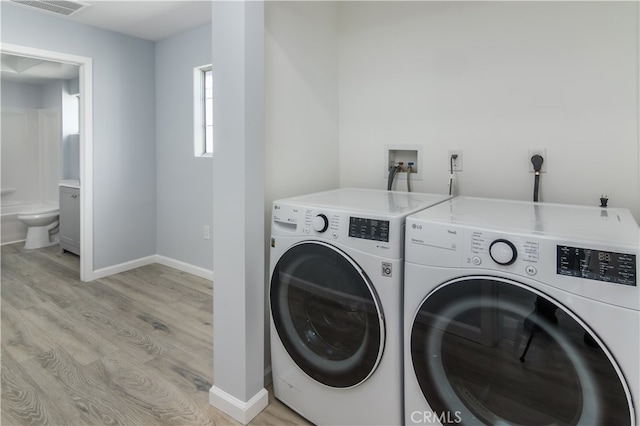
(85, 142)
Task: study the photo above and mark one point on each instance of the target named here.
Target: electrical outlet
(207, 232)
(455, 162)
(537, 151)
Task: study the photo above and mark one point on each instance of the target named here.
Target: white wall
(301, 79)
(494, 79)
(184, 182)
(301, 105)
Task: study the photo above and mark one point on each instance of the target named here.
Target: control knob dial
(503, 252)
(320, 223)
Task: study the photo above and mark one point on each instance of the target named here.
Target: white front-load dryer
(336, 304)
(521, 313)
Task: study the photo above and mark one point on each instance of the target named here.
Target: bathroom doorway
(78, 147)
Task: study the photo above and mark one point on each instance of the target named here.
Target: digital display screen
(611, 267)
(369, 229)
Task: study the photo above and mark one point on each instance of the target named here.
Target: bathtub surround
(31, 130)
(37, 118)
(20, 155)
(30, 167)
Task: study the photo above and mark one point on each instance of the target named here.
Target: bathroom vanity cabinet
(70, 219)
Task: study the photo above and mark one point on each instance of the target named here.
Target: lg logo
(416, 226)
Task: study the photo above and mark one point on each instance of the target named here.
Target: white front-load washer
(521, 313)
(336, 303)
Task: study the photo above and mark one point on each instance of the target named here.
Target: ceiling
(151, 20)
(146, 19)
(35, 71)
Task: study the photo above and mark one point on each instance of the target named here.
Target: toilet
(41, 221)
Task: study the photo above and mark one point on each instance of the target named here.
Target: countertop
(70, 183)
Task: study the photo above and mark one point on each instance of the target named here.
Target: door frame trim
(85, 65)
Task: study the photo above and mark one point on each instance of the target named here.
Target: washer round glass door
(327, 314)
(492, 351)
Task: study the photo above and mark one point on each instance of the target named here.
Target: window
(203, 111)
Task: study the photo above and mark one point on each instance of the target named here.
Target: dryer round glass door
(327, 314)
(492, 351)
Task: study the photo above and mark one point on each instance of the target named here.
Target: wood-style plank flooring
(134, 348)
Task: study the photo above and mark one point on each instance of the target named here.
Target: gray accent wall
(124, 127)
(184, 181)
(21, 95)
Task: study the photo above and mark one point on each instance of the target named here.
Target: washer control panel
(379, 234)
(321, 223)
(369, 229)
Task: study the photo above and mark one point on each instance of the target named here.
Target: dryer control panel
(599, 271)
(599, 265)
(485, 246)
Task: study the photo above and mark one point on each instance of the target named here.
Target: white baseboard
(143, 261)
(241, 411)
(13, 242)
(122, 267)
(185, 267)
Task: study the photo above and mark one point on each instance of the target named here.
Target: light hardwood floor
(134, 348)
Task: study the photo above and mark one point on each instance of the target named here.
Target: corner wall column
(238, 205)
